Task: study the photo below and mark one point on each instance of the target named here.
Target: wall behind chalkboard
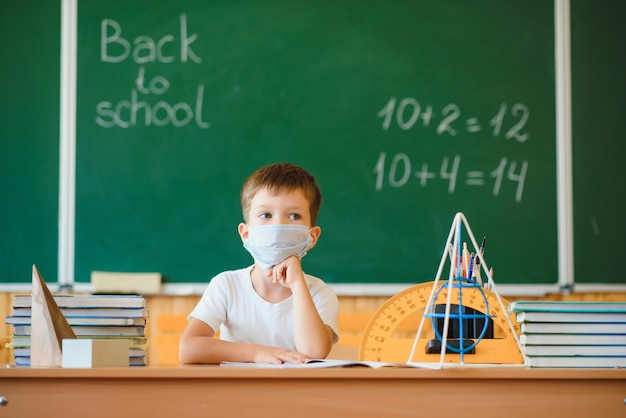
(405, 113)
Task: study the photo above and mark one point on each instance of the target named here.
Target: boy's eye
(295, 217)
(265, 215)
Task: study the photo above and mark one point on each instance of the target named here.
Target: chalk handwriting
(408, 113)
(399, 171)
(145, 104)
(114, 48)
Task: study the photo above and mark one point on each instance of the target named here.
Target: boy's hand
(287, 272)
(276, 355)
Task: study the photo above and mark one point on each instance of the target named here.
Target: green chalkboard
(406, 113)
(29, 138)
(599, 145)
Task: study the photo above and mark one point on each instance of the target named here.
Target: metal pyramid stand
(458, 283)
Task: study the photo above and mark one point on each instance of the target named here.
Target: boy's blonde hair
(282, 177)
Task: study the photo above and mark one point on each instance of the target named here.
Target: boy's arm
(311, 335)
(198, 345)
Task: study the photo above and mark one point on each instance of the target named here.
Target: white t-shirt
(231, 304)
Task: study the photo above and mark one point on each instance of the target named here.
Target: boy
(270, 312)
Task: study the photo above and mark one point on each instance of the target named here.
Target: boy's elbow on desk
(186, 353)
(318, 348)
(192, 347)
(183, 355)
(197, 350)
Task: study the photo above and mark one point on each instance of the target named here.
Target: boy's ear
(316, 231)
(243, 231)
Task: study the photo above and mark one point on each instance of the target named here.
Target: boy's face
(283, 207)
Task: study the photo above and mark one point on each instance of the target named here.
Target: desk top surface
(218, 372)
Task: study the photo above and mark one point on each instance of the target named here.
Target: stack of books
(572, 334)
(90, 316)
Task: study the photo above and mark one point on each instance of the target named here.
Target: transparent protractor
(390, 333)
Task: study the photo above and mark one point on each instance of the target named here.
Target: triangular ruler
(48, 326)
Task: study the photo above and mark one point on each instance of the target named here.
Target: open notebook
(326, 363)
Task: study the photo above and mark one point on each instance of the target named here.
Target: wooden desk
(211, 391)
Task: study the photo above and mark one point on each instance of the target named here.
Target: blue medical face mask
(272, 244)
